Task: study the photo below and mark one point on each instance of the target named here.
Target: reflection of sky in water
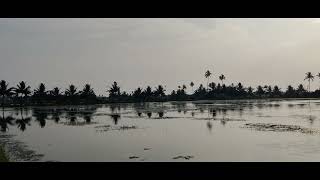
(206, 130)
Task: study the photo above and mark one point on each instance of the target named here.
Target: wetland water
(245, 130)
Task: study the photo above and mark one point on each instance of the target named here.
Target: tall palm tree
(309, 77)
(207, 75)
(4, 90)
(222, 77)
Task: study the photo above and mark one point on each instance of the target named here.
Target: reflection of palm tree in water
(4, 121)
(23, 122)
(209, 125)
(56, 115)
(40, 116)
(311, 118)
(115, 118)
(161, 113)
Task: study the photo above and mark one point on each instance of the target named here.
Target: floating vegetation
(183, 157)
(279, 128)
(17, 151)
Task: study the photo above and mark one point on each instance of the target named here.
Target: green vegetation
(22, 95)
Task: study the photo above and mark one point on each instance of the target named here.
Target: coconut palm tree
(22, 89)
(41, 90)
(87, 91)
(309, 77)
(55, 92)
(71, 91)
(4, 90)
(222, 77)
(207, 75)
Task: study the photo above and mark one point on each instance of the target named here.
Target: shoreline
(129, 102)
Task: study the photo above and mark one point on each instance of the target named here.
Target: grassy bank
(3, 157)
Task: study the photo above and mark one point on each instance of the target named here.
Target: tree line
(22, 94)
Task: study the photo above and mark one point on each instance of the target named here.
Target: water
(171, 131)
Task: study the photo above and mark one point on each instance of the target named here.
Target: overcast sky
(172, 52)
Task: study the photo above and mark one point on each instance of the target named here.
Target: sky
(171, 52)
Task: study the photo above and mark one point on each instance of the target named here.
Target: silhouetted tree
(5, 91)
(309, 77)
(222, 77)
(22, 89)
(87, 91)
(71, 91)
(191, 85)
(207, 75)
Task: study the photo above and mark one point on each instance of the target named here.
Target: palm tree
(309, 76)
(191, 85)
(222, 77)
(22, 89)
(4, 90)
(55, 92)
(87, 91)
(41, 90)
(71, 91)
(207, 75)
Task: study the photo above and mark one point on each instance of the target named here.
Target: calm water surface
(171, 131)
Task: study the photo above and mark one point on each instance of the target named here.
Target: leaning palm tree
(222, 77)
(309, 77)
(207, 75)
(4, 90)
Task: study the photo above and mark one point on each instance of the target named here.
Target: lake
(235, 130)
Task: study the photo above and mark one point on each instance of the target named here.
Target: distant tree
(260, 91)
(148, 92)
(22, 89)
(222, 77)
(276, 91)
(5, 90)
(212, 86)
(71, 91)
(191, 85)
(250, 91)
(41, 90)
(207, 75)
(159, 92)
(301, 91)
(309, 77)
(114, 90)
(137, 93)
(290, 92)
(55, 92)
(87, 91)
